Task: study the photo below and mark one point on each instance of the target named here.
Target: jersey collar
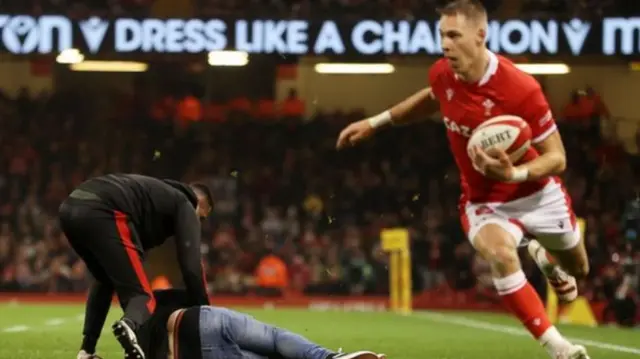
(184, 189)
(491, 69)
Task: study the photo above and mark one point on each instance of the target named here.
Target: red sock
(524, 302)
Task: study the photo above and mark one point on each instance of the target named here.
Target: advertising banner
(50, 34)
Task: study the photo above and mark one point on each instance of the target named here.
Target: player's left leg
(561, 266)
(251, 336)
(559, 250)
(565, 249)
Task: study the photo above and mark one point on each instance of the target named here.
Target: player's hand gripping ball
(497, 144)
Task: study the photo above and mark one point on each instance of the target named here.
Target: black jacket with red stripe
(158, 209)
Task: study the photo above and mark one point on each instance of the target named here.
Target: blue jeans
(226, 334)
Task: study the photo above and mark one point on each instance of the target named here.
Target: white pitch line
(16, 329)
(507, 329)
(49, 323)
(54, 322)
(37, 353)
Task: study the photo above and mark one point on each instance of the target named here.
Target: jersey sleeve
(536, 111)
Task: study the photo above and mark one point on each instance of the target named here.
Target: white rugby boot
(574, 352)
(357, 355)
(563, 284)
(84, 355)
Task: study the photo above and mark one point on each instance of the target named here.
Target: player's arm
(417, 107)
(189, 255)
(552, 160)
(546, 140)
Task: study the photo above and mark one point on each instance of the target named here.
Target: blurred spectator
(577, 109)
(272, 275)
(292, 106)
(265, 109)
(586, 111)
(619, 285)
(189, 110)
(360, 276)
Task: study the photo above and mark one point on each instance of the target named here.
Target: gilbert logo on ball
(509, 133)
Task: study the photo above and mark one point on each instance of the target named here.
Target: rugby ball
(509, 133)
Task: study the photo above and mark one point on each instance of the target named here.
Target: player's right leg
(72, 221)
(496, 240)
(220, 327)
(105, 241)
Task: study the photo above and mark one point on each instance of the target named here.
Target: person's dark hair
(204, 189)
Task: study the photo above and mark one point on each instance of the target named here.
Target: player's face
(462, 42)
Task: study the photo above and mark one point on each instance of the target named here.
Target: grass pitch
(54, 332)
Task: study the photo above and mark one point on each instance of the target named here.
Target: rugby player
(501, 201)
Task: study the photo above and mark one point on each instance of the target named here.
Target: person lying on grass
(178, 330)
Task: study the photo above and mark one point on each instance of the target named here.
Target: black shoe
(127, 339)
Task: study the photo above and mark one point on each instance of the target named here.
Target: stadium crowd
(291, 213)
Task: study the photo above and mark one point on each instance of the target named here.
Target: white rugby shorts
(545, 215)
